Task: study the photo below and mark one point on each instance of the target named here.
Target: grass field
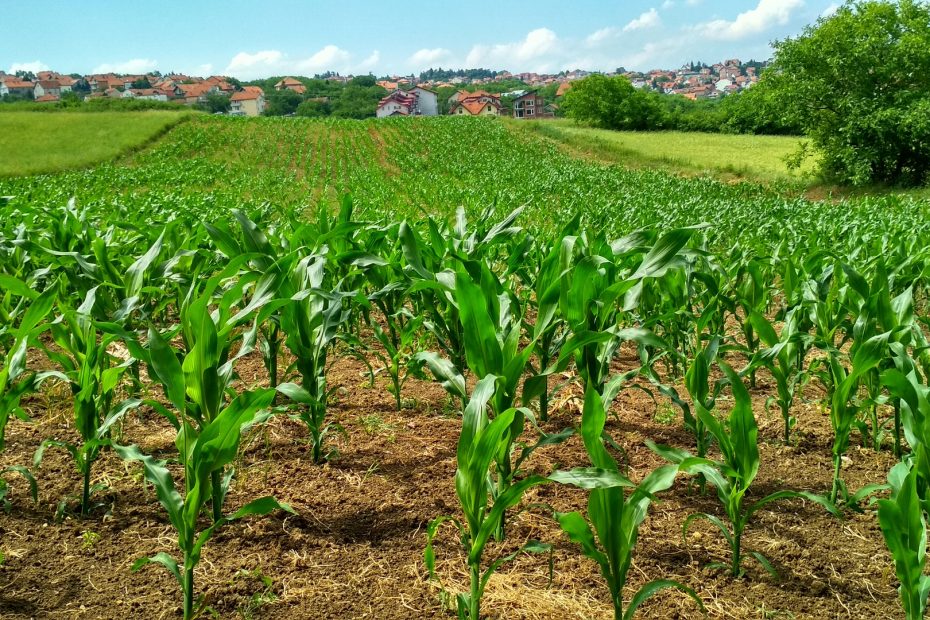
(38, 142)
(760, 158)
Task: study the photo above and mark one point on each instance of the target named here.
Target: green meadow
(41, 142)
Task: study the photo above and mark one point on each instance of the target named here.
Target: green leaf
(591, 478)
(165, 560)
(159, 476)
(652, 588)
(167, 368)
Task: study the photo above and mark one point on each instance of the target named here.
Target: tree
(858, 83)
(358, 101)
(281, 102)
(613, 103)
(217, 102)
(314, 108)
(759, 110)
(29, 76)
(142, 82)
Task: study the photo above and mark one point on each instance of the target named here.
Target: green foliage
(281, 102)
(759, 110)
(613, 103)
(904, 526)
(217, 102)
(480, 441)
(314, 109)
(866, 108)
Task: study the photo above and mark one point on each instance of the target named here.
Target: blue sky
(246, 40)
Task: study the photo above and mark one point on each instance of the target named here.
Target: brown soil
(355, 548)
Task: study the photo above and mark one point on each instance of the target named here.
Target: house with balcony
(250, 101)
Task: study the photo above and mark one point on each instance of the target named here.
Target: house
(722, 85)
(398, 103)
(564, 87)
(66, 82)
(196, 93)
(48, 99)
(47, 87)
(428, 101)
(418, 101)
(150, 94)
(529, 105)
(387, 85)
(15, 86)
(103, 82)
(221, 83)
(291, 84)
(250, 101)
(478, 103)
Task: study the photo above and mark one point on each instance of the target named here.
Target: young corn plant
(493, 331)
(313, 320)
(904, 527)
(94, 375)
(206, 370)
(844, 406)
(549, 330)
(16, 381)
(431, 265)
(734, 474)
(609, 533)
(396, 328)
(784, 358)
(603, 284)
(203, 455)
(480, 441)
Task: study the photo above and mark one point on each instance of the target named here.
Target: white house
(427, 101)
(723, 85)
(398, 103)
(145, 93)
(47, 87)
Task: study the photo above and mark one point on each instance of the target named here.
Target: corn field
(438, 368)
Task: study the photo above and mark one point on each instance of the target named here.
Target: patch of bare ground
(355, 548)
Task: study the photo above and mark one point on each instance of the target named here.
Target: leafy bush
(858, 84)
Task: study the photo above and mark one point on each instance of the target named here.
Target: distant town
(474, 92)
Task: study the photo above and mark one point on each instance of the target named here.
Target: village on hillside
(473, 92)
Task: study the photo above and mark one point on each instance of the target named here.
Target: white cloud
(134, 66)
(766, 14)
(649, 19)
(830, 10)
(330, 57)
(425, 58)
(604, 34)
(369, 63)
(535, 52)
(266, 63)
(35, 66)
(668, 4)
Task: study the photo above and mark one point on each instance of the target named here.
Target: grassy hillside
(760, 158)
(34, 142)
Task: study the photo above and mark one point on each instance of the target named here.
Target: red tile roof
(248, 93)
